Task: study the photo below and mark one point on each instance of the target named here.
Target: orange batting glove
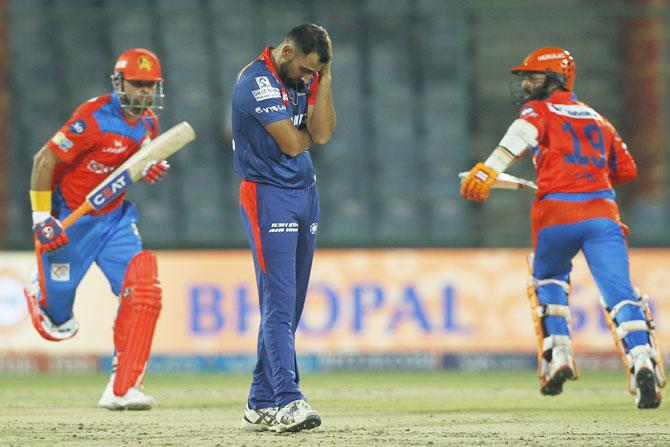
(477, 185)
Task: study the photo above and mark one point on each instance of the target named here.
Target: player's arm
(320, 110)
(44, 164)
(520, 136)
(47, 229)
(291, 140)
(622, 166)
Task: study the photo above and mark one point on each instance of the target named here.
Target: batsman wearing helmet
(100, 135)
(579, 157)
(282, 103)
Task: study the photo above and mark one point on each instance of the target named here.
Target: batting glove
(477, 185)
(50, 233)
(155, 171)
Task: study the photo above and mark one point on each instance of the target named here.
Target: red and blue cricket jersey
(578, 159)
(259, 99)
(93, 143)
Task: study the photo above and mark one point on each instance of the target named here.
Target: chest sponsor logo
(98, 168)
(78, 126)
(118, 148)
(112, 190)
(60, 271)
(264, 93)
(574, 111)
(62, 141)
(276, 108)
(263, 81)
(283, 227)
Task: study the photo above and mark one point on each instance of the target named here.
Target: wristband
(40, 200)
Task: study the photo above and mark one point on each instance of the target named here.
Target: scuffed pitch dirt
(373, 409)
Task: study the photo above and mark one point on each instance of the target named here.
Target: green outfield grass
(358, 409)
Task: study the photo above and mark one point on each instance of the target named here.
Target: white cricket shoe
(296, 416)
(262, 419)
(560, 370)
(647, 394)
(134, 399)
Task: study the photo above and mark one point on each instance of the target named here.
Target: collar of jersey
(266, 57)
(561, 95)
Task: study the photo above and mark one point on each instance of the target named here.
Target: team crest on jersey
(263, 81)
(78, 126)
(145, 62)
(62, 141)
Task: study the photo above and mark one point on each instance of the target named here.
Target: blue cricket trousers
(110, 240)
(281, 225)
(601, 237)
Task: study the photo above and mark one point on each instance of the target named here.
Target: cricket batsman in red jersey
(100, 135)
(579, 158)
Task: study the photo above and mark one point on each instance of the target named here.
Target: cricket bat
(506, 181)
(165, 145)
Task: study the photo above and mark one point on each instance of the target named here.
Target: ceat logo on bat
(145, 62)
(115, 187)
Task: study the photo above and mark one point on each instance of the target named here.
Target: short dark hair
(310, 38)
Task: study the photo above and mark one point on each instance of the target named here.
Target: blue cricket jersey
(260, 98)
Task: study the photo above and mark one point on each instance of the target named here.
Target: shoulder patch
(527, 111)
(62, 141)
(78, 126)
(263, 81)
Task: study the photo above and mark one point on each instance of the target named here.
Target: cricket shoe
(296, 416)
(647, 394)
(560, 370)
(134, 399)
(41, 321)
(262, 419)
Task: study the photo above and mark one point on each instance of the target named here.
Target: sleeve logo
(62, 141)
(78, 126)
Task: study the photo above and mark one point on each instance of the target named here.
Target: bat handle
(76, 214)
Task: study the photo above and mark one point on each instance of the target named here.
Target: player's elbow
(321, 139)
(292, 150)
(44, 158)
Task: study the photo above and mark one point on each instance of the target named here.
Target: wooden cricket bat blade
(165, 145)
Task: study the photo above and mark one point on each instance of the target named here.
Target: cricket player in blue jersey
(282, 103)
